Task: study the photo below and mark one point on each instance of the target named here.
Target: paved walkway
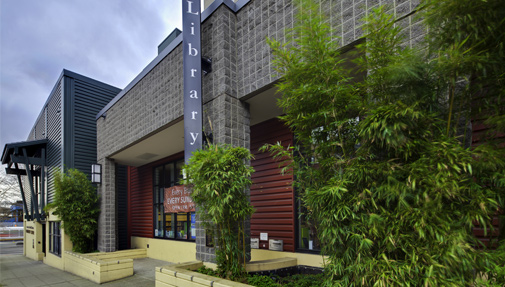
(17, 270)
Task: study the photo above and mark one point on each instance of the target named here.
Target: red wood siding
(140, 197)
(271, 192)
(141, 201)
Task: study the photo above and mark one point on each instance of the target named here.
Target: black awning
(32, 155)
(13, 149)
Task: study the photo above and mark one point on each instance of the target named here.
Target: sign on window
(178, 199)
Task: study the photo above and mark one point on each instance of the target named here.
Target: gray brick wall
(241, 65)
(261, 19)
(227, 118)
(236, 42)
(219, 43)
(107, 225)
(155, 101)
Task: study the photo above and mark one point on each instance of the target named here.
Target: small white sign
(255, 243)
(263, 236)
(276, 245)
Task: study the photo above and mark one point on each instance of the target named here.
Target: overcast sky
(107, 40)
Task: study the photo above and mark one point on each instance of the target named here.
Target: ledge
(179, 275)
(271, 264)
(182, 274)
(102, 267)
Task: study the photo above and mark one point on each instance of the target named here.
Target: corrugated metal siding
(83, 99)
(272, 193)
(122, 205)
(54, 136)
(88, 100)
(48, 125)
(40, 126)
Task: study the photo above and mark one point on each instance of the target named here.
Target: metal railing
(11, 233)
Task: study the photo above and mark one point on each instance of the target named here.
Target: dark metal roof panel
(89, 98)
(9, 148)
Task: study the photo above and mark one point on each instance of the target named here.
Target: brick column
(229, 118)
(222, 110)
(107, 227)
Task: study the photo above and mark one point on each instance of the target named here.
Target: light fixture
(96, 173)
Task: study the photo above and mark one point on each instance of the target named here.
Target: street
(11, 247)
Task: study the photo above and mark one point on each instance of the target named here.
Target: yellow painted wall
(303, 258)
(178, 251)
(167, 250)
(33, 240)
(66, 245)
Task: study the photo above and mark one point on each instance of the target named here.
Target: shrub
(384, 164)
(219, 177)
(262, 281)
(76, 204)
(206, 271)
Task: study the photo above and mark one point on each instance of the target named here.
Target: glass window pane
(58, 239)
(169, 225)
(160, 195)
(50, 236)
(178, 170)
(193, 225)
(182, 226)
(158, 222)
(307, 235)
(158, 179)
(169, 175)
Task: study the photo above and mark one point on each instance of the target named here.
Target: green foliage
(297, 280)
(494, 275)
(206, 271)
(76, 204)
(262, 281)
(219, 177)
(302, 280)
(383, 163)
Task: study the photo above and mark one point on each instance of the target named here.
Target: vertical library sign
(192, 66)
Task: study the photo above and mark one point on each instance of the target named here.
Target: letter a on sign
(192, 62)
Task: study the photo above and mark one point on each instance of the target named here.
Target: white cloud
(110, 41)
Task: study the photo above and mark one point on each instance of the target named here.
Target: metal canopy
(32, 156)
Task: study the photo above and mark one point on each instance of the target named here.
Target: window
(171, 225)
(55, 237)
(307, 234)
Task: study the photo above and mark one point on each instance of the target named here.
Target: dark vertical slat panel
(129, 204)
(122, 205)
(49, 126)
(272, 192)
(88, 98)
(83, 98)
(54, 136)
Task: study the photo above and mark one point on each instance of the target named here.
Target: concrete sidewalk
(17, 270)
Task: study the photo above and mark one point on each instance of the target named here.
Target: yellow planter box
(102, 267)
(178, 275)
